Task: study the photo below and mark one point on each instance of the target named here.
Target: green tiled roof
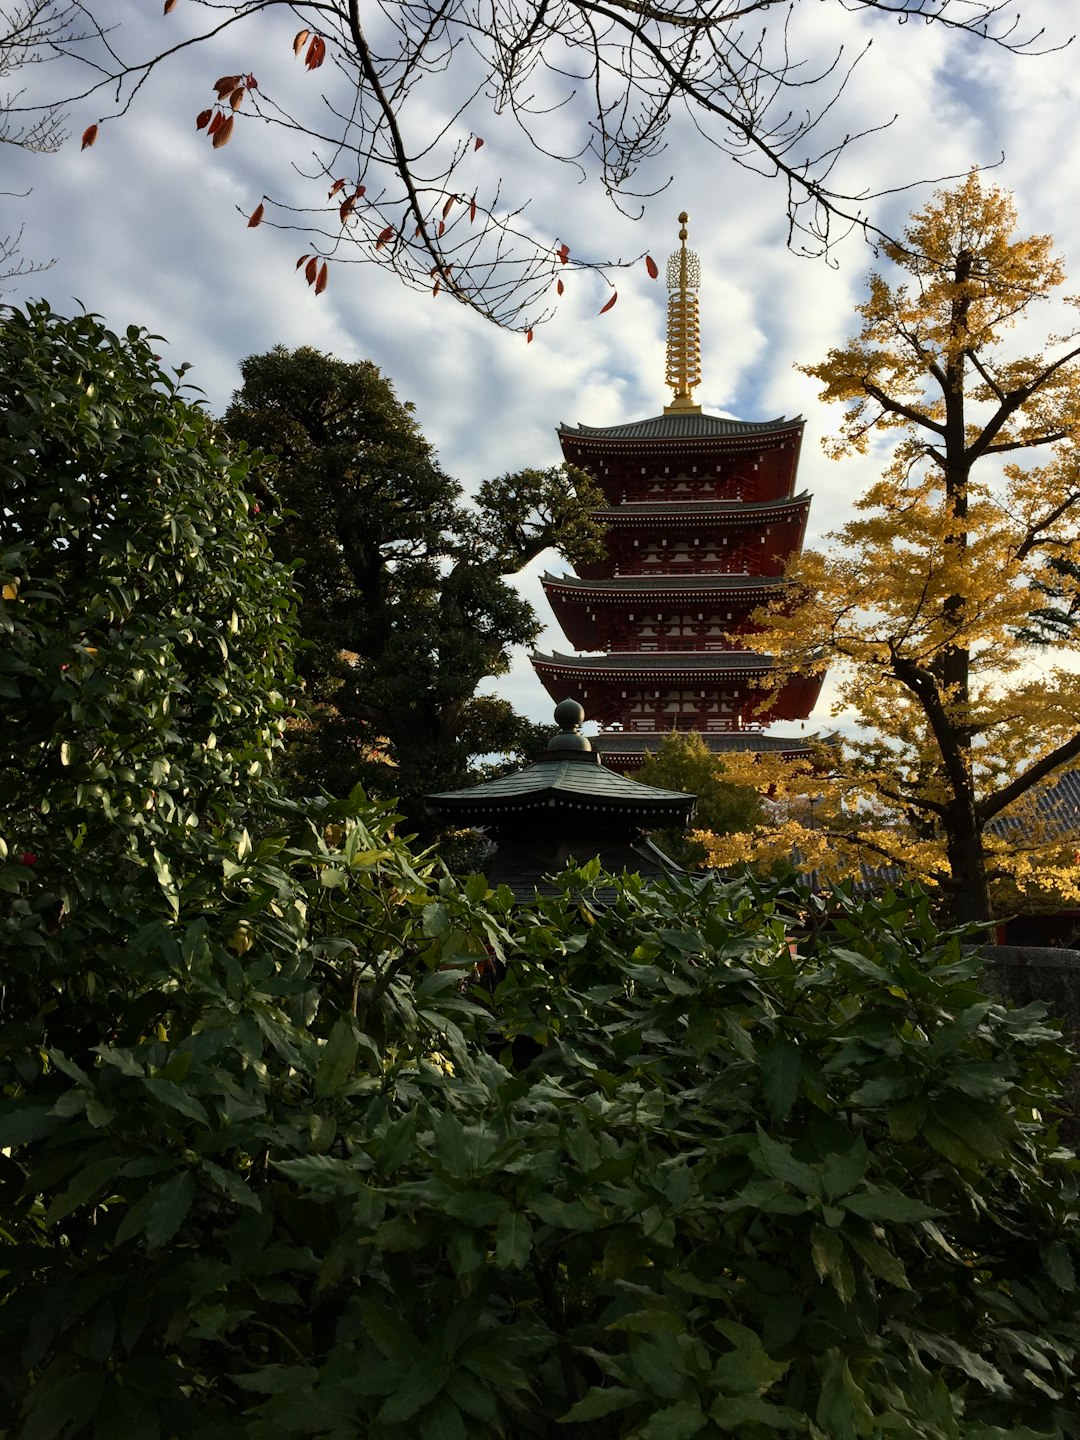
(579, 785)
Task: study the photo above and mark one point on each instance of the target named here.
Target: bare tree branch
(593, 83)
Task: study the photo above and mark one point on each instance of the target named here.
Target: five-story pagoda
(702, 518)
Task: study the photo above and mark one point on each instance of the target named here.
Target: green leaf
(442, 1421)
(1059, 1265)
(879, 1259)
(674, 1422)
(169, 1209)
(84, 1187)
(336, 1060)
(325, 1174)
(475, 1207)
(600, 1401)
(887, 1205)
(30, 1122)
(781, 1067)
(66, 1401)
(177, 1099)
(513, 1241)
(842, 1172)
(778, 1160)
(422, 1383)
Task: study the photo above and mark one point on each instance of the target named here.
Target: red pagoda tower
(702, 517)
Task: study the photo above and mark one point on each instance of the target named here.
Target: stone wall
(1023, 973)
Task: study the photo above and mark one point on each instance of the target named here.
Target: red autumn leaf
(320, 283)
(216, 122)
(337, 185)
(225, 84)
(528, 337)
(360, 190)
(442, 228)
(559, 287)
(476, 146)
(472, 209)
(316, 53)
(301, 39)
(563, 254)
(255, 218)
(433, 271)
(384, 236)
(221, 135)
(604, 308)
(302, 261)
(89, 135)
(235, 98)
(251, 82)
(169, 5)
(436, 287)
(446, 207)
(416, 233)
(651, 267)
(347, 207)
(311, 270)
(203, 119)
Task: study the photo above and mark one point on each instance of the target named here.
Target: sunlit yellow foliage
(927, 605)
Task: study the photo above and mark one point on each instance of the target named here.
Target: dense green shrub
(660, 1179)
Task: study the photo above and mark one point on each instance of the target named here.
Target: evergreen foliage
(405, 608)
(684, 762)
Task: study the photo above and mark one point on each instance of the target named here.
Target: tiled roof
(661, 584)
(621, 742)
(700, 509)
(580, 784)
(652, 662)
(681, 427)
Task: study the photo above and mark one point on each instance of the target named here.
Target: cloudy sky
(148, 227)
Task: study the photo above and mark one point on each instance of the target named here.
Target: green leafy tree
(404, 602)
(148, 630)
(685, 762)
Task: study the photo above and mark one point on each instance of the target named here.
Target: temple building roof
(569, 788)
(684, 427)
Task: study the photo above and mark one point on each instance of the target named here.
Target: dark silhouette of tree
(405, 608)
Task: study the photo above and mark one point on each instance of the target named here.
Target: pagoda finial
(683, 344)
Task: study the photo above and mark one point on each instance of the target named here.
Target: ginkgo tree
(392, 102)
(930, 601)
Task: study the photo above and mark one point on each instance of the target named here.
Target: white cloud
(145, 228)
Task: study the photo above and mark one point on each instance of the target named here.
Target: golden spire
(683, 345)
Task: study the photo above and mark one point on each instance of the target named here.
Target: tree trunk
(968, 895)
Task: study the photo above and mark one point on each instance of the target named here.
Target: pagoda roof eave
(666, 663)
(662, 585)
(648, 512)
(664, 428)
